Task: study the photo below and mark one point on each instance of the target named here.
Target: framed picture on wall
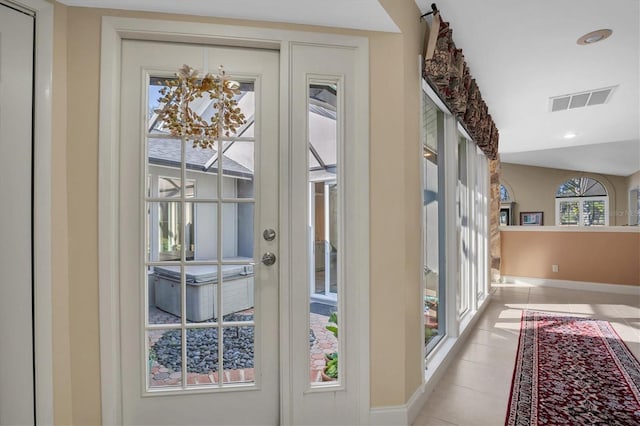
(531, 218)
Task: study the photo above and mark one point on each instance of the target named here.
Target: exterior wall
(395, 206)
(593, 255)
(535, 190)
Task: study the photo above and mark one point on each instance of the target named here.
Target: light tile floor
(475, 388)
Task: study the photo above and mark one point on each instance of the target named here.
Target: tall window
(455, 225)
(473, 190)
(433, 223)
(324, 224)
(582, 202)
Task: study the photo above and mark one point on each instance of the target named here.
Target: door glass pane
(237, 231)
(201, 231)
(202, 356)
(165, 294)
(200, 225)
(324, 232)
(164, 364)
(237, 292)
(164, 235)
(238, 354)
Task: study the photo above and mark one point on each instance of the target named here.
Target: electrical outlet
(554, 268)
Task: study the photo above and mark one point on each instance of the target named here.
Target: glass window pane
(464, 208)
(431, 203)
(430, 123)
(504, 194)
(324, 226)
(432, 211)
(581, 187)
(593, 213)
(569, 212)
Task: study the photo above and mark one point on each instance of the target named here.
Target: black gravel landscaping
(202, 348)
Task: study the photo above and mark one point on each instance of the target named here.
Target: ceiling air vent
(581, 99)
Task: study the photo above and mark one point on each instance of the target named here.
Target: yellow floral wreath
(182, 121)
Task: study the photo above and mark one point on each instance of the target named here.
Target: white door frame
(42, 252)
(113, 31)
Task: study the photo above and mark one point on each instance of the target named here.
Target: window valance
(447, 72)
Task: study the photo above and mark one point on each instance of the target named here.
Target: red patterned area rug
(572, 371)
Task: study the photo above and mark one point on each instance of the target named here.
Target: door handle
(268, 258)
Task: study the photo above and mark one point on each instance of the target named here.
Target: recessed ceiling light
(569, 135)
(594, 37)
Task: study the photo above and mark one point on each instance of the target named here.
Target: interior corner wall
(535, 189)
(83, 95)
(394, 202)
(396, 207)
(62, 403)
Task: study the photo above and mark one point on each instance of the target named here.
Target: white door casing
(354, 409)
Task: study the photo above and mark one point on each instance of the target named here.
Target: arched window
(582, 202)
(504, 194)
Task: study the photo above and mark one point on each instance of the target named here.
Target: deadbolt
(269, 234)
(268, 258)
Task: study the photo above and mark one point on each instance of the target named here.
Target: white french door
(16, 291)
(198, 308)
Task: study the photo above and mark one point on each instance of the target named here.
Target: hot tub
(202, 283)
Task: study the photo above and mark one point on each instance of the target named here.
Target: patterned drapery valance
(447, 72)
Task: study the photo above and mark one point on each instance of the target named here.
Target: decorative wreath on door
(180, 120)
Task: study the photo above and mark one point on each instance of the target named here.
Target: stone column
(494, 218)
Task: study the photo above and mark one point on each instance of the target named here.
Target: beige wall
(534, 189)
(394, 155)
(599, 257)
(59, 235)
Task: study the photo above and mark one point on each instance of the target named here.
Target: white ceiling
(520, 53)
(355, 14)
(523, 53)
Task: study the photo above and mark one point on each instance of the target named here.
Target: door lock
(269, 234)
(268, 258)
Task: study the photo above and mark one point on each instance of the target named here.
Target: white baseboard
(573, 285)
(402, 415)
(399, 415)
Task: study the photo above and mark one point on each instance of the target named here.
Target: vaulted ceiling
(524, 53)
